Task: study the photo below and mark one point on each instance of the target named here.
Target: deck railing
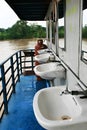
(10, 71)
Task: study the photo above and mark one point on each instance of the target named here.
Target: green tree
(84, 32)
(61, 31)
(21, 30)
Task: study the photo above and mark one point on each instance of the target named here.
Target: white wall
(83, 72)
(83, 66)
(71, 55)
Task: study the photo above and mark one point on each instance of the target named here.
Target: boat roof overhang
(32, 10)
(36, 10)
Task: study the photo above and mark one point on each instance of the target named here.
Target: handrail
(11, 69)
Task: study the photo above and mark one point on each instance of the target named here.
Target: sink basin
(56, 112)
(42, 58)
(50, 70)
(43, 51)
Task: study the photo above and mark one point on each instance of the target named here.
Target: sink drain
(65, 117)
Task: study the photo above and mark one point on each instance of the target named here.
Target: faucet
(56, 61)
(52, 57)
(66, 91)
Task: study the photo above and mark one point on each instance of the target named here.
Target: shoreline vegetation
(21, 30)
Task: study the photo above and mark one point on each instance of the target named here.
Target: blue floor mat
(21, 115)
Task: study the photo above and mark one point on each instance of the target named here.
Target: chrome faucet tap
(66, 91)
(74, 92)
(84, 92)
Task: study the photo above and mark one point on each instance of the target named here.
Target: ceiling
(84, 4)
(30, 9)
(35, 10)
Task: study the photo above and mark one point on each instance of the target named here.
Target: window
(84, 36)
(61, 32)
(61, 27)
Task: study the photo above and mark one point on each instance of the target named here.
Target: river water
(7, 48)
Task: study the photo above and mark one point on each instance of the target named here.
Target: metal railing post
(32, 62)
(4, 90)
(17, 66)
(12, 71)
(20, 62)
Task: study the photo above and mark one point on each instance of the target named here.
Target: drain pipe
(52, 83)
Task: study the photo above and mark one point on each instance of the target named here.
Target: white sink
(43, 51)
(56, 112)
(42, 58)
(50, 70)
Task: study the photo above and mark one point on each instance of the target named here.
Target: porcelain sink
(43, 51)
(56, 112)
(50, 70)
(42, 58)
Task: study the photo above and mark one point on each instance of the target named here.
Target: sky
(9, 18)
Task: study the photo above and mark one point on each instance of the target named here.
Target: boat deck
(21, 115)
